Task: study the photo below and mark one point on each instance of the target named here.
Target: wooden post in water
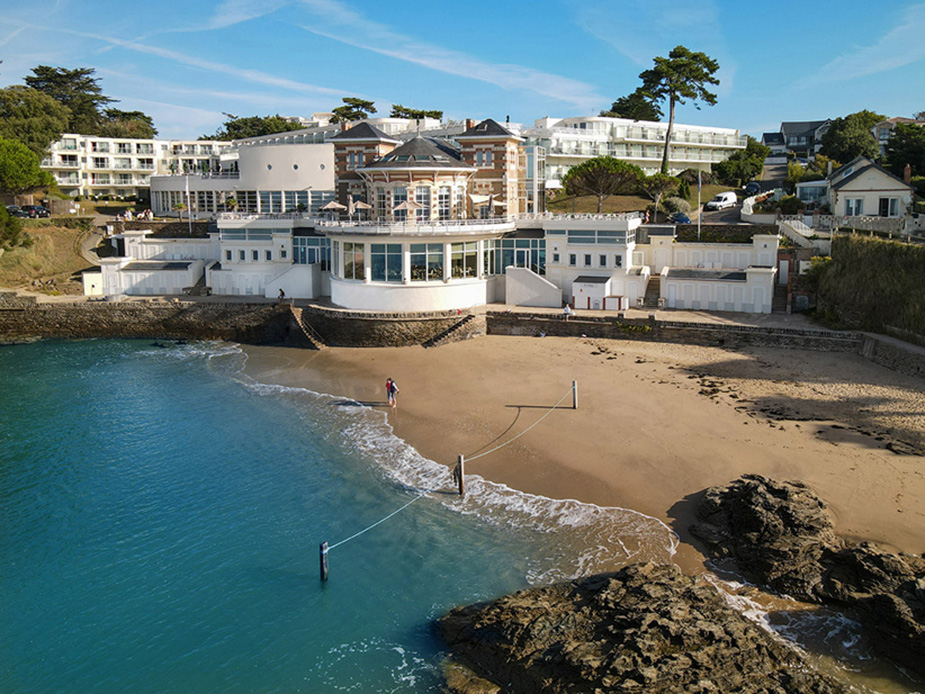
(324, 561)
(574, 395)
(461, 474)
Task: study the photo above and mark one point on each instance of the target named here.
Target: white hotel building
(88, 165)
(443, 226)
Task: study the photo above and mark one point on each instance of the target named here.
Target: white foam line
(419, 474)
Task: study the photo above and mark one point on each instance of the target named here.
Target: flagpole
(189, 208)
(699, 211)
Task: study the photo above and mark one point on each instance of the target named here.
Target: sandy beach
(656, 424)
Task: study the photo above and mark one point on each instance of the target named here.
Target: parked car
(722, 201)
(36, 211)
(15, 211)
(752, 188)
(679, 218)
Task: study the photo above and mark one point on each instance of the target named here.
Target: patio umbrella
(360, 205)
(407, 205)
(334, 205)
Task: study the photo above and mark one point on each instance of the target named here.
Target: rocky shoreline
(649, 628)
(780, 535)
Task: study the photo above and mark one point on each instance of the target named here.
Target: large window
(307, 250)
(464, 259)
(422, 197)
(354, 261)
(295, 199)
(443, 202)
(426, 262)
(381, 200)
(271, 201)
(854, 206)
(399, 195)
(385, 259)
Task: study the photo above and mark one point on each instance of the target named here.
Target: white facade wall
(523, 287)
(871, 187)
(381, 296)
(571, 141)
(751, 296)
(139, 245)
(89, 165)
(116, 280)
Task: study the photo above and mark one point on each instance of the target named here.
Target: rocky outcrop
(780, 534)
(646, 628)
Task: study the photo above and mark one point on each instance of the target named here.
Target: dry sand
(656, 425)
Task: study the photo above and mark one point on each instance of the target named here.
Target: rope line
(382, 520)
(475, 457)
(511, 440)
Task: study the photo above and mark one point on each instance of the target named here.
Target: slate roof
(807, 128)
(364, 131)
(588, 279)
(692, 273)
(772, 138)
(854, 174)
(157, 265)
(421, 153)
(487, 128)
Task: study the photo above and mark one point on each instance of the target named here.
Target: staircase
(779, 301)
(198, 289)
(653, 291)
(444, 337)
(305, 331)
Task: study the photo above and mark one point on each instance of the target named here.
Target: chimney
(343, 126)
(907, 174)
(469, 124)
(828, 171)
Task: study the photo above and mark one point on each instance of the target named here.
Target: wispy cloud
(231, 12)
(255, 76)
(12, 35)
(342, 23)
(900, 46)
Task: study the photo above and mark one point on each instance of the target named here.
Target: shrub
(676, 204)
(11, 231)
(790, 204)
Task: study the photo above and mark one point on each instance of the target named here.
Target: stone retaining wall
(342, 328)
(905, 360)
(23, 317)
(712, 335)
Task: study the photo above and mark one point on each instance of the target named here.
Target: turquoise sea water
(160, 516)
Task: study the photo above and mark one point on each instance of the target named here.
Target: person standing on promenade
(282, 295)
(567, 312)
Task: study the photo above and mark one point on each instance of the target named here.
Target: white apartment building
(571, 141)
(88, 165)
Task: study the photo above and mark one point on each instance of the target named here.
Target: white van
(722, 201)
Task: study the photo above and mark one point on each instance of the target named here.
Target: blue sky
(185, 63)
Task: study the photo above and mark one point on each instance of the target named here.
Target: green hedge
(870, 283)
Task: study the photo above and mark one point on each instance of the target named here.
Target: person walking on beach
(392, 387)
(388, 390)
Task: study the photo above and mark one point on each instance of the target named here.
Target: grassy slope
(54, 254)
(624, 203)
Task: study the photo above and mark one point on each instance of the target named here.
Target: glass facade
(307, 250)
(464, 259)
(385, 261)
(426, 262)
(354, 259)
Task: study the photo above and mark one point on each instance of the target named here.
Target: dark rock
(647, 628)
(780, 535)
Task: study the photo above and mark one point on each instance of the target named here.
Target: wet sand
(656, 424)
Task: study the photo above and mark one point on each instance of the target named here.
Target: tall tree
(31, 117)
(77, 89)
(906, 146)
(399, 111)
(683, 75)
(851, 137)
(19, 169)
(743, 165)
(235, 128)
(637, 106)
(116, 123)
(657, 185)
(602, 177)
(353, 109)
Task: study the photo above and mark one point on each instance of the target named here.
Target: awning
(479, 199)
